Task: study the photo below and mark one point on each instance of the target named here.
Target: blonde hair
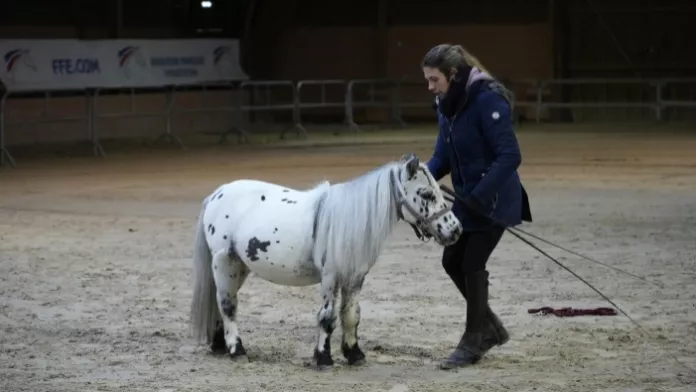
(444, 57)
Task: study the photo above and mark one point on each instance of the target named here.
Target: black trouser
(470, 254)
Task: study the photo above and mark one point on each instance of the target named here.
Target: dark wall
(355, 40)
(626, 38)
(93, 19)
(583, 38)
(317, 38)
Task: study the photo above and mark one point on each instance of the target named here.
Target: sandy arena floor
(95, 276)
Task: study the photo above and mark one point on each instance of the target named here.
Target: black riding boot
(495, 333)
(477, 338)
(502, 334)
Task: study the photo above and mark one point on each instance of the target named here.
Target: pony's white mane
(354, 218)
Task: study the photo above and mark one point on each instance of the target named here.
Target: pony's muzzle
(448, 230)
(448, 240)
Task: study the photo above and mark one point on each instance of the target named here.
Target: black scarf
(456, 94)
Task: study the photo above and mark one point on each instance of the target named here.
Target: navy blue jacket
(478, 147)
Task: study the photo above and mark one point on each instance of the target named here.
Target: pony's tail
(204, 311)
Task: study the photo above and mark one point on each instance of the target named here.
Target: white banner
(66, 64)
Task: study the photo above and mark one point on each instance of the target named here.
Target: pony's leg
(230, 274)
(326, 321)
(350, 319)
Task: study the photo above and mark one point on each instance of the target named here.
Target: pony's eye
(427, 195)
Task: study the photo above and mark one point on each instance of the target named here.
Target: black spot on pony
(255, 246)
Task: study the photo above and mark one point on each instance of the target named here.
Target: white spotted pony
(330, 235)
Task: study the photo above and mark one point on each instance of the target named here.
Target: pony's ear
(412, 166)
(407, 157)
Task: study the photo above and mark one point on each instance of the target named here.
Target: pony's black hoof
(239, 354)
(218, 345)
(354, 355)
(323, 360)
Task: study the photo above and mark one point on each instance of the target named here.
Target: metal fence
(366, 100)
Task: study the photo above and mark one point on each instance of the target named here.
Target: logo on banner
(17, 60)
(219, 53)
(129, 58)
(223, 61)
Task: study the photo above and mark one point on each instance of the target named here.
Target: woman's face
(438, 84)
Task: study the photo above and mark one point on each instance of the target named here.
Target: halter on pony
(420, 228)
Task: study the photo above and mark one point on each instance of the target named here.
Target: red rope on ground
(570, 312)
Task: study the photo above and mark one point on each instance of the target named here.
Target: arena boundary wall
(87, 90)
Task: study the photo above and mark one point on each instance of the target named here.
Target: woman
(478, 147)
